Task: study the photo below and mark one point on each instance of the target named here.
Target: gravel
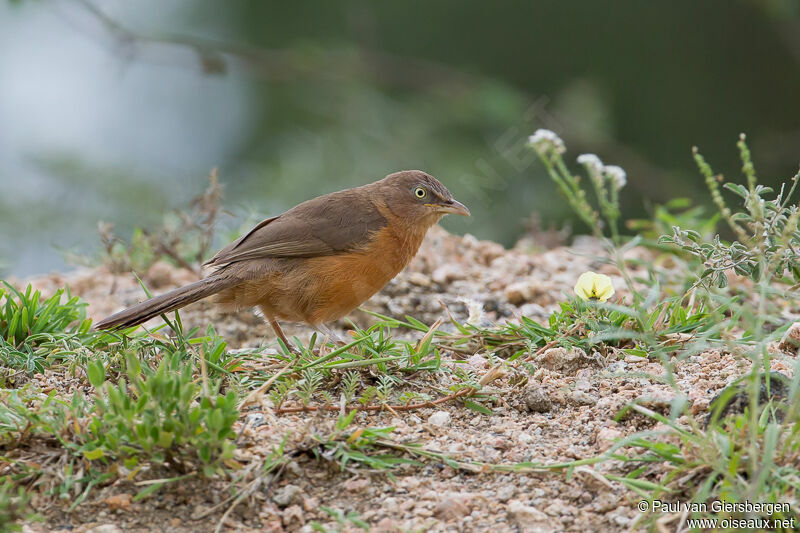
(565, 411)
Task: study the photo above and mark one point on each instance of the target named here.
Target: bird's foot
(331, 335)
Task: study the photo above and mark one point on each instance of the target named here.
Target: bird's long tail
(164, 303)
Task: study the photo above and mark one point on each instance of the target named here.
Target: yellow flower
(593, 286)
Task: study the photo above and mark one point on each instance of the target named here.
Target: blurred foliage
(339, 94)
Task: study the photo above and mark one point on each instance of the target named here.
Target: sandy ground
(565, 411)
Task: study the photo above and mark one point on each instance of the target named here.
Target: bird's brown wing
(328, 225)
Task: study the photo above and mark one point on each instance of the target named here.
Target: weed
(183, 239)
(33, 330)
(14, 506)
(159, 415)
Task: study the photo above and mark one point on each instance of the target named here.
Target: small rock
(288, 495)
(356, 484)
(499, 443)
(521, 292)
(419, 279)
(452, 507)
(568, 362)
(579, 397)
(533, 310)
(700, 405)
(292, 517)
(656, 399)
(105, 528)
(386, 525)
(506, 492)
(606, 437)
(634, 359)
(536, 399)
(311, 504)
(119, 501)
(439, 418)
(617, 367)
(528, 518)
(619, 517)
(448, 273)
(160, 275)
(478, 362)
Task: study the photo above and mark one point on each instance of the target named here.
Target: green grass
(35, 331)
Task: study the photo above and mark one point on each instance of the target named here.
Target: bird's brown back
(359, 245)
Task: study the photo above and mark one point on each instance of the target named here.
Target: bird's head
(418, 196)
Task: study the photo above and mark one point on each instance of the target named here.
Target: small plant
(342, 520)
(24, 317)
(359, 447)
(350, 383)
(767, 236)
(307, 386)
(14, 506)
(160, 415)
(31, 328)
(606, 181)
(183, 239)
(675, 212)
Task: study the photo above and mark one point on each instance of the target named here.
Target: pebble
(567, 362)
(606, 437)
(524, 438)
(292, 516)
(287, 495)
(536, 399)
(386, 525)
(506, 492)
(105, 528)
(419, 279)
(534, 310)
(452, 507)
(478, 362)
(448, 273)
(439, 419)
(581, 398)
(529, 518)
(617, 367)
(634, 359)
(356, 484)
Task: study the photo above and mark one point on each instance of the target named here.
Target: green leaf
(478, 407)
(93, 455)
(147, 491)
(97, 373)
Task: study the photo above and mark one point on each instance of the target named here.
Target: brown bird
(319, 260)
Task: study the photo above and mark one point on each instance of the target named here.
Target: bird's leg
(332, 335)
(279, 332)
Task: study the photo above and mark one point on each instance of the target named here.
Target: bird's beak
(451, 206)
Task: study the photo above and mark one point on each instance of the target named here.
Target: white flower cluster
(595, 167)
(616, 175)
(545, 140)
(592, 162)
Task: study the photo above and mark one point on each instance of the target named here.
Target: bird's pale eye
(419, 192)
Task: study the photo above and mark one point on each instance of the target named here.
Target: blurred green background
(118, 110)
